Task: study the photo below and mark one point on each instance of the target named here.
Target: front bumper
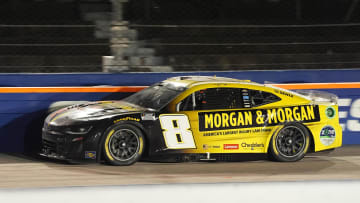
(54, 156)
(60, 146)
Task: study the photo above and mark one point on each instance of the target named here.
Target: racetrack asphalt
(17, 171)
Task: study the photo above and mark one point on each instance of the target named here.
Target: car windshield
(155, 96)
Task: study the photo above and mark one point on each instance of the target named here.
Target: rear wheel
(290, 143)
(123, 144)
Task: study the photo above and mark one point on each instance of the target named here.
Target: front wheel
(290, 143)
(123, 144)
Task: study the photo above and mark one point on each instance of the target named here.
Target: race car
(192, 118)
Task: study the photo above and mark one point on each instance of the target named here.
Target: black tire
(290, 143)
(123, 144)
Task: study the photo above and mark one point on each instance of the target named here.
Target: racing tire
(123, 144)
(290, 143)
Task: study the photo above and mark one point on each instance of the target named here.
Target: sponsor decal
(206, 146)
(252, 145)
(330, 112)
(127, 119)
(148, 116)
(223, 120)
(231, 146)
(90, 154)
(327, 135)
(246, 98)
(286, 93)
(283, 93)
(236, 132)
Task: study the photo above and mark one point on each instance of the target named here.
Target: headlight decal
(78, 130)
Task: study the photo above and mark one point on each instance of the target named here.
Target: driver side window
(187, 104)
(213, 98)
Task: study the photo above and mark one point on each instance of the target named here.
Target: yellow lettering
(217, 120)
(232, 119)
(240, 119)
(225, 120)
(310, 111)
(248, 118)
(259, 118)
(288, 114)
(209, 121)
(303, 114)
(281, 115)
(296, 114)
(272, 115)
(126, 119)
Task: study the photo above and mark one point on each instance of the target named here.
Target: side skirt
(215, 157)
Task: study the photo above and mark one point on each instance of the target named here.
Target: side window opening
(213, 98)
(187, 104)
(259, 98)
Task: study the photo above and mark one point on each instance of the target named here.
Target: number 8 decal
(176, 131)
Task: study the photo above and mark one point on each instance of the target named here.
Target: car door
(208, 112)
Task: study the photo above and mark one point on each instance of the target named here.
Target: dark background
(200, 35)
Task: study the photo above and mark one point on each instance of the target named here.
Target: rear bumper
(321, 145)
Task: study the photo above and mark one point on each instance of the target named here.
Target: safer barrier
(25, 98)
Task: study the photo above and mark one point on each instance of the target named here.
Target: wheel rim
(124, 144)
(290, 141)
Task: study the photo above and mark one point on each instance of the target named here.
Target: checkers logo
(231, 146)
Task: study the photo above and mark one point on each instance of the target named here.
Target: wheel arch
(101, 157)
(272, 133)
(312, 142)
(275, 155)
(277, 128)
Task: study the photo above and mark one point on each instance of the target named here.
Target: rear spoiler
(319, 96)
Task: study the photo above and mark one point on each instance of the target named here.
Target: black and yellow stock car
(195, 118)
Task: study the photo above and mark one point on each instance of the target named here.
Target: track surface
(22, 172)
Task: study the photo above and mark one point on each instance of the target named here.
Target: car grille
(54, 146)
(49, 147)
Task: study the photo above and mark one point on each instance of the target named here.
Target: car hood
(91, 111)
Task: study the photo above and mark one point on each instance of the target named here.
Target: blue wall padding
(22, 114)
(131, 79)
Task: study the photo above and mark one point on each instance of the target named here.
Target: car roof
(192, 81)
(188, 81)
